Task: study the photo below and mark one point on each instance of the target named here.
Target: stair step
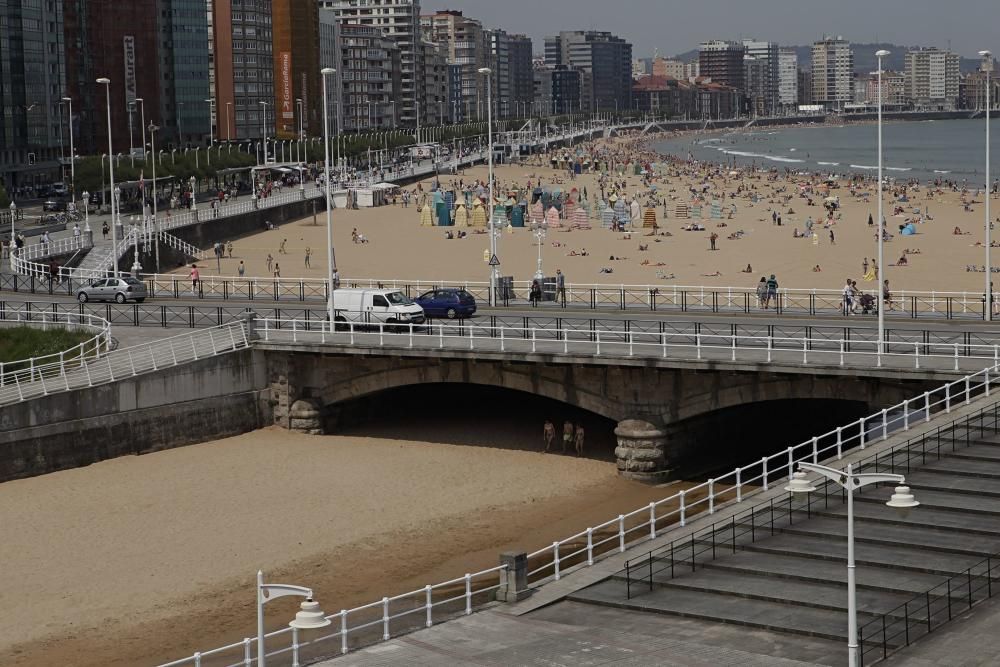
(920, 535)
(942, 500)
(965, 467)
(933, 480)
(924, 516)
(874, 555)
(721, 608)
(783, 566)
(976, 452)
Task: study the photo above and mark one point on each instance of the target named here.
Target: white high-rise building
(766, 55)
(932, 78)
(788, 79)
(400, 21)
(832, 72)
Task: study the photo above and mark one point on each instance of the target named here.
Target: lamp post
(72, 154)
(142, 116)
(13, 246)
(104, 81)
(987, 65)
(539, 229)
(156, 224)
(298, 144)
(229, 136)
(881, 225)
(263, 127)
(330, 267)
(487, 72)
(211, 125)
(86, 215)
(310, 616)
(194, 205)
(901, 500)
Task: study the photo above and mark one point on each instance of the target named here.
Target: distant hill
(864, 57)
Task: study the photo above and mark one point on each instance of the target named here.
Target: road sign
(494, 261)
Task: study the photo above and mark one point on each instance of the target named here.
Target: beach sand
(138, 560)
(400, 248)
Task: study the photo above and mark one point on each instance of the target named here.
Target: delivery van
(376, 306)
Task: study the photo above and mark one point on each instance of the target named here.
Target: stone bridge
(654, 401)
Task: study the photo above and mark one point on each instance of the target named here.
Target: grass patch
(20, 343)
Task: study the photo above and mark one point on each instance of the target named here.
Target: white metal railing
(624, 342)
(77, 372)
(50, 366)
(643, 524)
(414, 608)
(63, 246)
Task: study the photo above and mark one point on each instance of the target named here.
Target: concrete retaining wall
(200, 401)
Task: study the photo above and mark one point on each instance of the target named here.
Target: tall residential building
(757, 81)
(184, 72)
(765, 99)
(295, 30)
(522, 78)
(893, 88)
(32, 83)
(669, 68)
(558, 89)
(437, 108)
(604, 59)
(368, 81)
(788, 79)
(692, 70)
(832, 72)
(469, 46)
(242, 68)
(329, 56)
(502, 85)
(805, 85)
(722, 62)
(400, 21)
(932, 78)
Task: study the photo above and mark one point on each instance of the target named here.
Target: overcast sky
(675, 26)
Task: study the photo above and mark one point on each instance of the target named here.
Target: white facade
(932, 78)
(788, 78)
(766, 55)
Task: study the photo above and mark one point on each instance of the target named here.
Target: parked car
(54, 205)
(113, 289)
(450, 302)
(59, 190)
(374, 306)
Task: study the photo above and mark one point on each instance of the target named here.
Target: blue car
(449, 302)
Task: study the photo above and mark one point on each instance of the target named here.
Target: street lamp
(142, 115)
(901, 500)
(229, 136)
(310, 616)
(331, 269)
(987, 65)
(263, 127)
(72, 155)
(211, 125)
(881, 225)
(104, 81)
(13, 246)
(494, 262)
(539, 229)
(298, 144)
(156, 225)
(86, 214)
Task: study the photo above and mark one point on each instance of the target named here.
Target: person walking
(578, 440)
(277, 270)
(772, 292)
(195, 276)
(308, 254)
(76, 235)
(548, 435)
(848, 298)
(281, 247)
(567, 435)
(886, 294)
(270, 261)
(535, 295)
(712, 239)
(229, 249)
(762, 293)
(833, 240)
(241, 269)
(561, 287)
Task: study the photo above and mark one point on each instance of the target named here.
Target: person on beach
(848, 298)
(567, 435)
(241, 269)
(281, 246)
(308, 255)
(270, 261)
(548, 435)
(578, 440)
(712, 239)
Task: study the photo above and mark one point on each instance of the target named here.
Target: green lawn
(20, 343)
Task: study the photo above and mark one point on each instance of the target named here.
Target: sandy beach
(142, 559)
(400, 248)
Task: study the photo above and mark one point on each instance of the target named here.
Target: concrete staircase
(782, 568)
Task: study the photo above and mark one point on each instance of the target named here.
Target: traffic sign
(494, 261)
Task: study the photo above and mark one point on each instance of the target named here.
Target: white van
(376, 306)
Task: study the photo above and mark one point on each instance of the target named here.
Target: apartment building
(932, 78)
(832, 72)
(605, 60)
(788, 79)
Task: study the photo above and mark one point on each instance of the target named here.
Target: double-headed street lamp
(106, 82)
(987, 57)
(310, 616)
(330, 268)
(494, 260)
(539, 230)
(901, 500)
(156, 225)
(880, 277)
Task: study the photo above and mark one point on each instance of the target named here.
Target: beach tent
(681, 210)
(580, 219)
(500, 215)
(537, 212)
(636, 212)
(552, 217)
(517, 214)
(910, 230)
(716, 210)
(649, 218)
(426, 216)
(607, 216)
(461, 215)
(621, 210)
(696, 211)
(478, 214)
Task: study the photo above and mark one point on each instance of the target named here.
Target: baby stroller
(869, 304)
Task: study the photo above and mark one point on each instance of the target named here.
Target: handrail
(55, 247)
(27, 370)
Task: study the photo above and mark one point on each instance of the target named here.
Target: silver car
(113, 289)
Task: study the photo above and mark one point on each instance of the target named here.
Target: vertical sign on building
(128, 41)
(285, 87)
(305, 102)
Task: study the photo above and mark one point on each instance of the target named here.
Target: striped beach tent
(649, 218)
(607, 217)
(580, 218)
(552, 217)
(478, 214)
(426, 216)
(681, 210)
(537, 212)
(461, 215)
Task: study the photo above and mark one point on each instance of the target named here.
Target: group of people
(571, 436)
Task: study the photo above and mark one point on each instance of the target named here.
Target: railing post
(343, 631)
(840, 443)
(885, 424)
(947, 397)
(683, 507)
(711, 496)
(555, 559)
(652, 521)
(385, 619)
(763, 473)
(428, 605)
(247, 660)
(621, 533)
(968, 395)
(590, 546)
(927, 406)
(791, 462)
(906, 415)
(861, 430)
(697, 340)
(468, 593)
(295, 647)
(739, 485)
